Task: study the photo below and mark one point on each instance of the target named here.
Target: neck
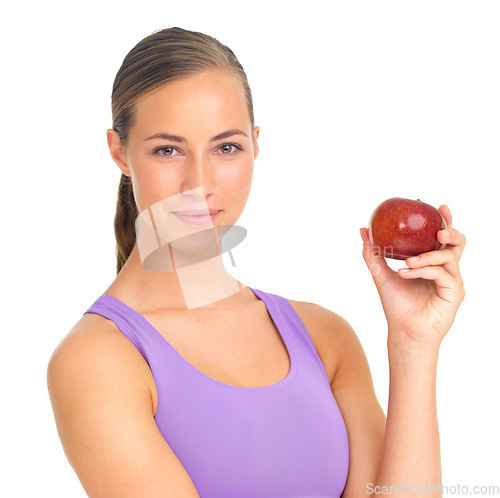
(188, 286)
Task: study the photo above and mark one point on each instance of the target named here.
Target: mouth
(197, 218)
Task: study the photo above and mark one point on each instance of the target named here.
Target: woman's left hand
(420, 302)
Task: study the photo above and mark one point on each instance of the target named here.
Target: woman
(165, 388)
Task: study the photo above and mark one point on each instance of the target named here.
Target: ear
(255, 134)
(117, 151)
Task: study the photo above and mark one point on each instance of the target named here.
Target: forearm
(411, 452)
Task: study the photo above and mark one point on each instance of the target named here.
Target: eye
(167, 151)
(229, 149)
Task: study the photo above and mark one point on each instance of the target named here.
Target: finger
(447, 287)
(445, 258)
(453, 240)
(445, 211)
(374, 260)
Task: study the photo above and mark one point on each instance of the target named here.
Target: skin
(102, 389)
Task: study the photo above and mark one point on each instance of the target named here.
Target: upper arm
(103, 411)
(364, 418)
(352, 387)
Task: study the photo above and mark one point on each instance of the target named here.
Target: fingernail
(414, 259)
(446, 233)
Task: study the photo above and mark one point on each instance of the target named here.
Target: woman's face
(191, 133)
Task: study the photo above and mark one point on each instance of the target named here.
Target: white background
(357, 102)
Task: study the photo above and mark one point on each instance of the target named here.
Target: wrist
(413, 366)
(401, 348)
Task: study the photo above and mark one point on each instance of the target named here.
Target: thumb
(374, 260)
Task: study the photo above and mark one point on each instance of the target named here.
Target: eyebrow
(177, 138)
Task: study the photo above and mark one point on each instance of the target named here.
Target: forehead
(198, 103)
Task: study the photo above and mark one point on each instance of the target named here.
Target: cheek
(237, 182)
(150, 189)
(151, 183)
(236, 190)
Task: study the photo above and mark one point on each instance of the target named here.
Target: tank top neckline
(273, 312)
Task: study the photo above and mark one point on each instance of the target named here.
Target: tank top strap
(124, 317)
(290, 324)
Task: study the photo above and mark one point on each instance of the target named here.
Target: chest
(241, 348)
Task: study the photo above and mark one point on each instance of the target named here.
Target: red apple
(401, 228)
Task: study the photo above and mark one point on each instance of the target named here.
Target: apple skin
(402, 228)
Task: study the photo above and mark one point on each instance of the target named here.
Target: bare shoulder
(93, 343)
(94, 350)
(333, 336)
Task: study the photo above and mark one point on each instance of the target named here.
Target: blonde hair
(161, 57)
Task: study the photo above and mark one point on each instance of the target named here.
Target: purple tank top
(287, 439)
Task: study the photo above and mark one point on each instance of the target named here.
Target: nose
(198, 174)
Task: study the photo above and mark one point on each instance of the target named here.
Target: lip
(197, 220)
(196, 212)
